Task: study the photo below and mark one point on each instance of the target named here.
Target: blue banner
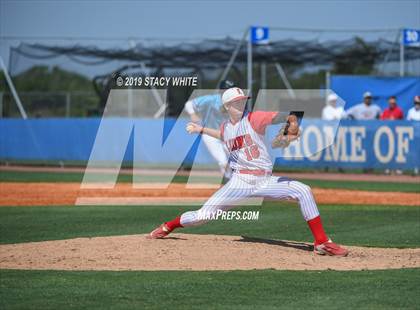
(259, 35)
(351, 89)
(73, 140)
(411, 37)
(357, 144)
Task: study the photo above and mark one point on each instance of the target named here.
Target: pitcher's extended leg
(285, 188)
(224, 199)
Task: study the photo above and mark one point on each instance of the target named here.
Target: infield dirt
(56, 194)
(194, 252)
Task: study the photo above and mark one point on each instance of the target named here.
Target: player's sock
(317, 229)
(175, 223)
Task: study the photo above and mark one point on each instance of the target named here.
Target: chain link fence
(51, 104)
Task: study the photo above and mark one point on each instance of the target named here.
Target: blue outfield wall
(73, 140)
(358, 144)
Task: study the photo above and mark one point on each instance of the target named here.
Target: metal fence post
(12, 88)
(402, 65)
(249, 67)
(327, 84)
(263, 68)
(68, 100)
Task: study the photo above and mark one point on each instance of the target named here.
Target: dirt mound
(193, 252)
(36, 194)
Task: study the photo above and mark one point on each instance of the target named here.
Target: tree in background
(357, 59)
(49, 91)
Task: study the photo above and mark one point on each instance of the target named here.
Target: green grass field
(381, 226)
(22, 176)
(384, 226)
(264, 289)
(376, 226)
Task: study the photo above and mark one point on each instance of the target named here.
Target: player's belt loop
(254, 172)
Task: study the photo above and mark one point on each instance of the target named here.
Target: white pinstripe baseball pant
(245, 186)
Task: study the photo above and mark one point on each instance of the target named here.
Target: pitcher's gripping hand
(287, 134)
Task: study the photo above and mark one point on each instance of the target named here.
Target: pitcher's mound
(193, 252)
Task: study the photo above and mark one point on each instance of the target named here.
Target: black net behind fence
(76, 80)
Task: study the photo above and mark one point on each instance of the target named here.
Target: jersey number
(252, 152)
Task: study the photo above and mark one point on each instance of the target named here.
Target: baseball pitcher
(243, 135)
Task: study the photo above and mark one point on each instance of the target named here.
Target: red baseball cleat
(161, 232)
(330, 248)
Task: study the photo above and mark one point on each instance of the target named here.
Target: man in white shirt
(331, 111)
(414, 112)
(365, 110)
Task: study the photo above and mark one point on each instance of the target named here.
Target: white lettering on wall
(404, 135)
(383, 158)
(349, 145)
(357, 134)
(337, 151)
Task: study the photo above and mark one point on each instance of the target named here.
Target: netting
(214, 53)
(97, 68)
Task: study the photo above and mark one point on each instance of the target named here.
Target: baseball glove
(287, 134)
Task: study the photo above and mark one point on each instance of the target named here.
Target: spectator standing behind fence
(414, 112)
(393, 111)
(365, 110)
(331, 111)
